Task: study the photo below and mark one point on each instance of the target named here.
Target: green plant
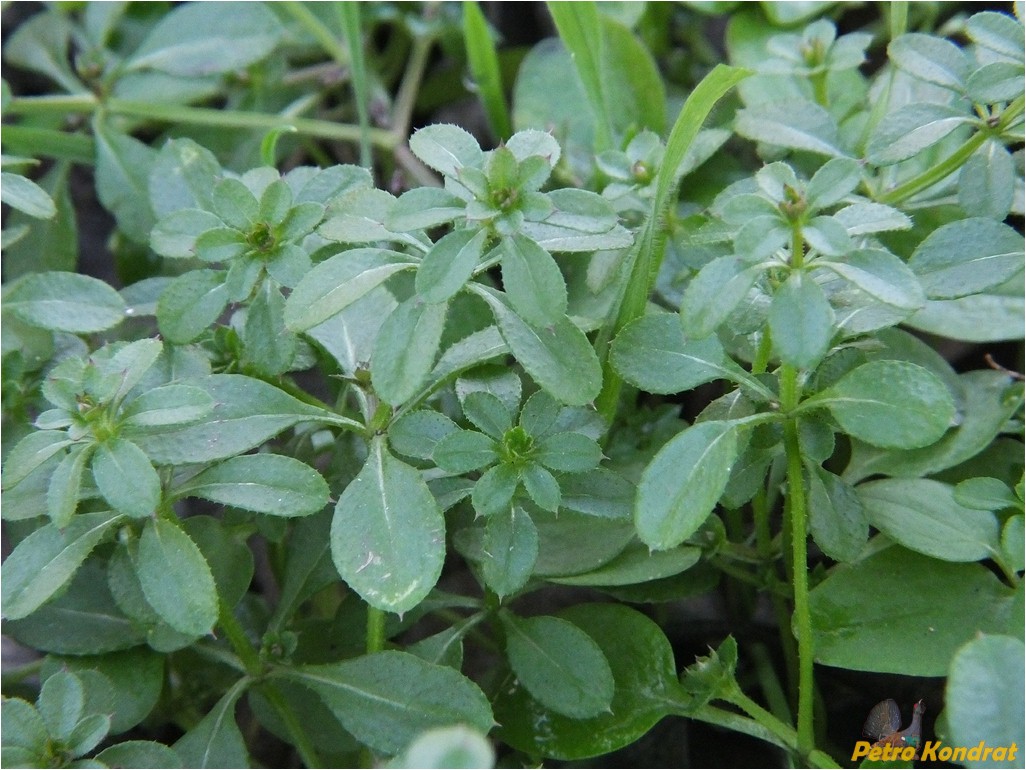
(326, 436)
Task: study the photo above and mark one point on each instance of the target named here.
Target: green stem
(239, 641)
(402, 111)
(899, 18)
(300, 739)
(935, 173)
(790, 394)
(20, 674)
(375, 630)
(783, 731)
(350, 15)
(324, 36)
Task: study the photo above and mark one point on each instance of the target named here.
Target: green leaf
(448, 747)
(986, 184)
(641, 661)
(637, 564)
(484, 68)
(967, 257)
(882, 276)
(930, 58)
(245, 414)
(976, 318)
(195, 41)
(559, 664)
(417, 434)
(66, 302)
(235, 204)
(494, 490)
(268, 347)
(265, 483)
(465, 450)
(44, 562)
(167, 406)
(542, 487)
(123, 166)
(41, 44)
(832, 182)
(66, 484)
(837, 521)
(386, 699)
(230, 560)
(26, 196)
(216, 740)
(25, 728)
(510, 549)
(923, 516)
(190, 304)
(388, 534)
(922, 611)
(558, 357)
(793, 123)
(982, 697)
(450, 264)
(54, 242)
(911, 129)
(88, 733)
(890, 404)
(986, 494)
(60, 703)
(422, 208)
(598, 492)
(405, 349)
(995, 82)
(712, 295)
(486, 410)
(176, 579)
(446, 148)
(338, 282)
(183, 176)
(126, 478)
(801, 321)
(997, 32)
(681, 485)
(862, 218)
(139, 754)
(30, 453)
(175, 235)
(533, 282)
(569, 452)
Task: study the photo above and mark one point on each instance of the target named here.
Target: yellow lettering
(908, 753)
(1000, 754)
(975, 752)
(986, 753)
(944, 753)
(958, 754)
(875, 754)
(930, 751)
(861, 749)
(1011, 752)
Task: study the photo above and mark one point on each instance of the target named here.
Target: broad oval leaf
(930, 58)
(168, 406)
(405, 349)
(923, 516)
(890, 404)
(423, 207)
(532, 280)
(801, 321)
(910, 130)
(510, 550)
(388, 534)
(190, 303)
(446, 148)
(559, 664)
(882, 276)
(921, 611)
(126, 478)
(31, 452)
(714, 293)
(681, 485)
(637, 564)
(837, 521)
(465, 450)
(176, 579)
(216, 741)
(42, 563)
(67, 302)
(265, 483)
(386, 699)
(449, 265)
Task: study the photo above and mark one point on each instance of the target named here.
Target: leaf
(598, 492)
(862, 218)
(636, 564)
(30, 453)
(890, 404)
(194, 40)
(422, 208)
(40, 44)
(644, 674)
(795, 123)
(226, 552)
(65, 485)
(271, 484)
(510, 549)
(882, 276)
(486, 410)
(53, 244)
(388, 534)
(66, 302)
(559, 665)
(681, 485)
(338, 282)
(559, 357)
(449, 264)
(25, 728)
(985, 494)
(139, 754)
(245, 414)
(216, 740)
(60, 704)
(976, 318)
(911, 129)
(801, 321)
(713, 293)
(267, 346)
(176, 579)
(541, 487)
(967, 257)
(123, 166)
(579, 28)
(494, 490)
(446, 148)
(832, 182)
(448, 747)
(126, 478)
(183, 176)
(997, 32)
(386, 699)
(986, 184)
(44, 562)
(190, 304)
(465, 450)
(405, 349)
(837, 521)
(569, 452)
(983, 701)
(26, 196)
(533, 282)
(995, 82)
(417, 434)
(167, 406)
(930, 58)
(922, 611)
(923, 516)
(483, 62)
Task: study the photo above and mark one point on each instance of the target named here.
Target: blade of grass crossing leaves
(484, 67)
(579, 28)
(350, 15)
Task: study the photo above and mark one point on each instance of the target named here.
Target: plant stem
(300, 739)
(22, 673)
(375, 630)
(324, 36)
(237, 638)
(899, 18)
(402, 111)
(350, 16)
